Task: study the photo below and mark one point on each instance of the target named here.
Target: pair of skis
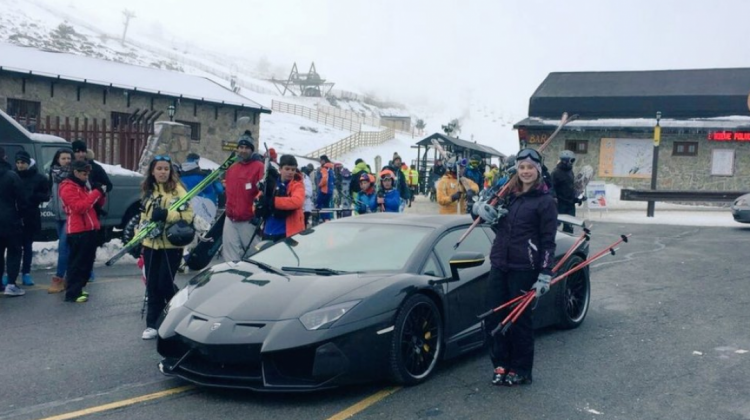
(150, 226)
(500, 194)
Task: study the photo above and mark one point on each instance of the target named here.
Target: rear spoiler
(571, 220)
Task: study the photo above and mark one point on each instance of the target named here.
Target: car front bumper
(278, 356)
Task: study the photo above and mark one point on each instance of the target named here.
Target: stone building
(44, 90)
(705, 126)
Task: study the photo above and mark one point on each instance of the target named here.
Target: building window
(580, 147)
(120, 119)
(685, 148)
(24, 110)
(194, 129)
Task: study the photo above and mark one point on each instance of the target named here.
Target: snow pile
(45, 254)
(117, 170)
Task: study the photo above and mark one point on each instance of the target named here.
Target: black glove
(456, 196)
(580, 200)
(98, 186)
(470, 194)
(159, 215)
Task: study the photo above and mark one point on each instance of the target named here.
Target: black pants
(513, 350)
(12, 243)
(82, 248)
(161, 268)
(569, 209)
(27, 243)
(307, 219)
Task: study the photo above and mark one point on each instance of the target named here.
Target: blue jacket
(194, 177)
(367, 203)
(476, 175)
(392, 201)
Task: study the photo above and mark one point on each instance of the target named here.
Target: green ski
(211, 178)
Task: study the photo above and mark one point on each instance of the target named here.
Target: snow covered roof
(698, 93)
(460, 144)
(719, 123)
(125, 76)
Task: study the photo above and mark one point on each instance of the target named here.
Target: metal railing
(671, 195)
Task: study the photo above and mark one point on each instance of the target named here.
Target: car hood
(243, 292)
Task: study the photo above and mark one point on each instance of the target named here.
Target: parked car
(741, 209)
(121, 205)
(357, 299)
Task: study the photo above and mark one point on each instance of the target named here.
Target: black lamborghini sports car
(382, 296)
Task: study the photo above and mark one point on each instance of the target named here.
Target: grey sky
(445, 51)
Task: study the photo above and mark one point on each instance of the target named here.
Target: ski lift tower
(309, 84)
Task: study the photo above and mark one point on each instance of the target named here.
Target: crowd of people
(278, 200)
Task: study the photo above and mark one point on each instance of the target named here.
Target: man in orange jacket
(287, 216)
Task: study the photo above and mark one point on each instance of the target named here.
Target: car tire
(129, 232)
(573, 295)
(417, 342)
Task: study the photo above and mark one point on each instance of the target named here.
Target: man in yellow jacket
(453, 191)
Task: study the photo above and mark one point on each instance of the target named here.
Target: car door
(466, 297)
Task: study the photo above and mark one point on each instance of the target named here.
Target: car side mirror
(465, 259)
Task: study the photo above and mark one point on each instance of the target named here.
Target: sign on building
(596, 195)
(626, 158)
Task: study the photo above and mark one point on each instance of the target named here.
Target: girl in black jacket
(522, 257)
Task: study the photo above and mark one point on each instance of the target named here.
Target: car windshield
(347, 247)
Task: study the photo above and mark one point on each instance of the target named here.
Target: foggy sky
(445, 52)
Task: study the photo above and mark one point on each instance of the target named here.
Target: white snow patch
(45, 254)
(740, 351)
(697, 353)
(117, 170)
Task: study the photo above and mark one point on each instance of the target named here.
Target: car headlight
(179, 299)
(324, 317)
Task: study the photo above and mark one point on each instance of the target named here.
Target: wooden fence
(359, 139)
(314, 115)
(121, 145)
(350, 115)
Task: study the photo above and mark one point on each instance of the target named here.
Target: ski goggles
(529, 154)
(162, 158)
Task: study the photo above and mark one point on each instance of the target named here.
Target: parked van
(122, 203)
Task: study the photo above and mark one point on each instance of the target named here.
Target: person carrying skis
(451, 189)
(388, 198)
(287, 216)
(241, 189)
(521, 257)
(79, 202)
(308, 206)
(159, 190)
(37, 191)
(367, 199)
(564, 185)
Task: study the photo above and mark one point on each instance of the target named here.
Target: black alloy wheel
(416, 345)
(574, 295)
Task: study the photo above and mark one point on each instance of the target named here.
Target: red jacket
(78, 202)
(294, 199)
(242, 188)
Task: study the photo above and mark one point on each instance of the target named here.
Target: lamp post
(654, 164)
(170, 111)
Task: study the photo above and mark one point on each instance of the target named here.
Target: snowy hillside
(60, 26)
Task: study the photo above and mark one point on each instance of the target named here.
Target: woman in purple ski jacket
(521, 258)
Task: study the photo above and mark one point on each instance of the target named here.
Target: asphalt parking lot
(666, 337)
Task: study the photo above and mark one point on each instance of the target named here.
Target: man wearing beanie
(241, 184)
(37, 191)
(12, 205)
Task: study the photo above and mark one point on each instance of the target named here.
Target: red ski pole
(584, 237)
